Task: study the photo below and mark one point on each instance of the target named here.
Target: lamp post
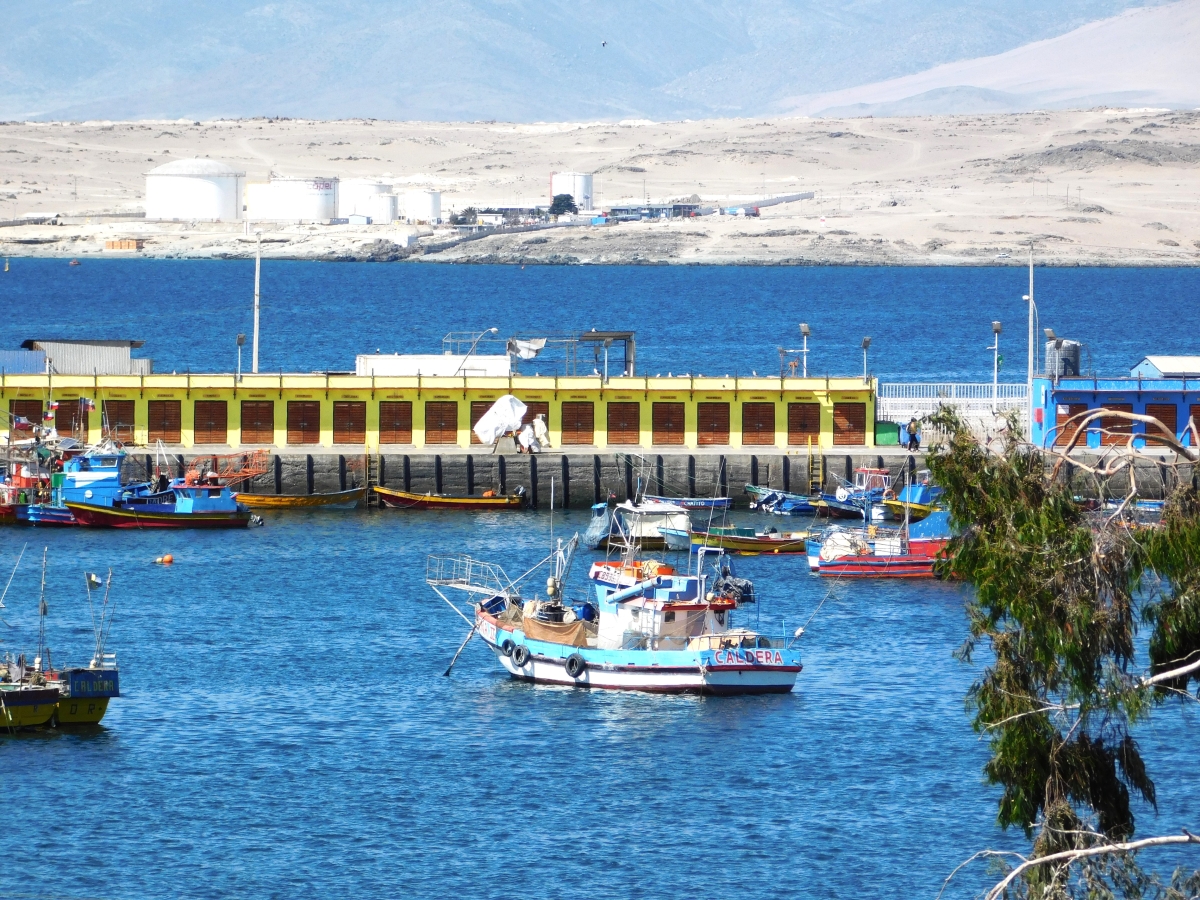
(806, 331)
(241, 339)
(474, 344)
(995, 348)
(257, 270)
(1029, 378)
(866, 344)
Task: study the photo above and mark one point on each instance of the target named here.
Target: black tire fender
(576, 665)
(508, 647)
(520, 656)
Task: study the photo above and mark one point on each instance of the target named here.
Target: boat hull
(694, 502)
(39, 514)
(81, 710)
(117, 517)
(746, 546)
(916, 511)
(334, 501)
(878, 567)
(394, 499)
(714, 672)
(28, 707)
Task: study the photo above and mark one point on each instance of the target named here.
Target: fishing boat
(645, 626)
(693, 502)
(182, 504)
(908, 552)
(93, 476)
(655, 525)
(336, 500)
(24, 705)
(780, 503)
(915, 501)
(749, 541)
(394, 499)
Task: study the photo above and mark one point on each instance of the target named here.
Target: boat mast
(42, 612)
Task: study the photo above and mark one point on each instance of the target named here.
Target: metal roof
(91, 357)
(35, 343)
(1175, 366)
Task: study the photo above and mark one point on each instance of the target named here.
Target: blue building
(1165, 387)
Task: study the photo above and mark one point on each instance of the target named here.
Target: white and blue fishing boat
(781, 503)
(653, 524)
(643, 626)
(92, 477)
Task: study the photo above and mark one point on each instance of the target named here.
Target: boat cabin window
(85, 465)
(669, 617)
(214, 492)
(720, 618)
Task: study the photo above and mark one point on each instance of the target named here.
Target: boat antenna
(551, 514)
(10, 580)
(105, 628)
(42, 609)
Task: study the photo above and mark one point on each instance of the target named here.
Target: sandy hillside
(1101, 186)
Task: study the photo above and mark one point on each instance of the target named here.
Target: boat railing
(468, 574)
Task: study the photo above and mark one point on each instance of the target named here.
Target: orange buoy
(165, 560)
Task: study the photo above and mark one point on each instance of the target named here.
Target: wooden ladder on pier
(372, 479)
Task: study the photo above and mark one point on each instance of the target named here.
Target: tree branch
(1070, 856)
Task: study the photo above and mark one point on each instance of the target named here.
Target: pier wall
(580, 479)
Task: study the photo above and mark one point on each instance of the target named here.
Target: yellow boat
(407, 500)
(26, 706)
(337, 500)
(916, 511)
(85, 693)
(748, 542)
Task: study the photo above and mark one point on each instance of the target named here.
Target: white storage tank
(365, 197)
(188, 189)
(577, 184)
(423, 206)
(293, 200)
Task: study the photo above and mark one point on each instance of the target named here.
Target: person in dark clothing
(913, 430)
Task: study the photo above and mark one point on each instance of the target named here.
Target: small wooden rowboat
(748, 542)
(406, 500)
(336, 500)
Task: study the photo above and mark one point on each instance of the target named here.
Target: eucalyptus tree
(1062, 590)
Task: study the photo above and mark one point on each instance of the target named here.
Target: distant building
(194, 189)
(1167, 367)
(432, 364)
(293, 200)
(73, 357)
(365, 197)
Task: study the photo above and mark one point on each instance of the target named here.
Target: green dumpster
(887, 434)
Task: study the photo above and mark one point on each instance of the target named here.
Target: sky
(510, 60)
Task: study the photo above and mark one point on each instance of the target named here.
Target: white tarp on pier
(504, 416)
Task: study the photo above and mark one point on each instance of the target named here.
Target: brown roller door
(71, 419)
(478, 408)
(578, 423)
(804, 424)
(212, 422)
(258, 421)
(26, 409)
(349, 422)
(1189, 438)
(758, 424)
(624, 423)
(1168, 414)
(118, 419)
(667, 423)
(535, 408)
(1116, 430)
(1063, 412)
(164, 421)
(441, 422)
(712, 424)
(395, 422)
(849, 424)
(303, 422)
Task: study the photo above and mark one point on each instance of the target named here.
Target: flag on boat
(88, 404)
(93, 580)
(20, 423)
(54, 404)
(48, 415)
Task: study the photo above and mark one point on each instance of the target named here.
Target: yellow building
(378, 413)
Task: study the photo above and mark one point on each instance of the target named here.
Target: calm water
(924, 323)
(287, 732)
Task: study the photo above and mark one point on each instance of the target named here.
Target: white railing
(982, 409)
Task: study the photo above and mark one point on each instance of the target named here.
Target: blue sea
(286, 730)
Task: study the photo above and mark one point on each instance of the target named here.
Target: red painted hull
(878, 567)
(110, 517)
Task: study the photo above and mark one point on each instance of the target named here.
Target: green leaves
(1058, 597)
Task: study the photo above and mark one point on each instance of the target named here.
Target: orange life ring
(889, 494)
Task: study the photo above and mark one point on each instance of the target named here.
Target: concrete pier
(580, 479)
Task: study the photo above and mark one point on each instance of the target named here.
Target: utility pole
(995, 348)
(1029, 379)
(257, 270)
